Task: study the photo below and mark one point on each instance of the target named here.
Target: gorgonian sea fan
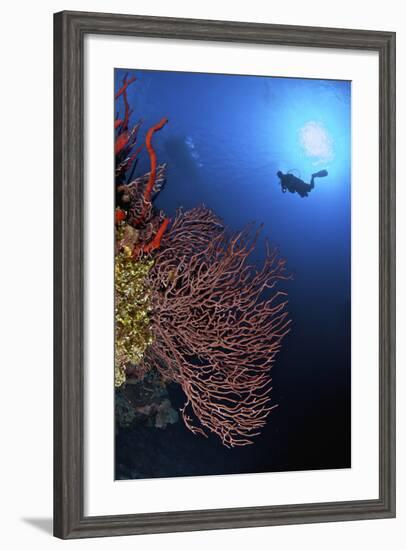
(216, 325)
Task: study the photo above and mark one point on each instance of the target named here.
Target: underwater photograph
(232, 274)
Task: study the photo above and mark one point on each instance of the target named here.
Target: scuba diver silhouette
(291, 183)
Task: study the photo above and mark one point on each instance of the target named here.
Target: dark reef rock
(144, 402)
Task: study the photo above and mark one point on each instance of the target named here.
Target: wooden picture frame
(70, 30)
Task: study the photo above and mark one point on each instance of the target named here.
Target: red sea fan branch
(122, 124)
(154, 243)
(153, 160)
(125, 85)
(123, 92)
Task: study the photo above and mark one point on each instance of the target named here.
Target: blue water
(226, 138)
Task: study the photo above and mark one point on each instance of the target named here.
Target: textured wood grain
(70, 28)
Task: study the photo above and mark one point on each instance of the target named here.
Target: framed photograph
(224, 274)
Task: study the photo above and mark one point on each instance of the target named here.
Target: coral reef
(139, 230)
(132, 308)
(190, 307)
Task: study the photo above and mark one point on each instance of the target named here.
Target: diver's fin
(320, 174)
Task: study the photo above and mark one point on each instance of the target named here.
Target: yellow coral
(119, 375)
(132, 308)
